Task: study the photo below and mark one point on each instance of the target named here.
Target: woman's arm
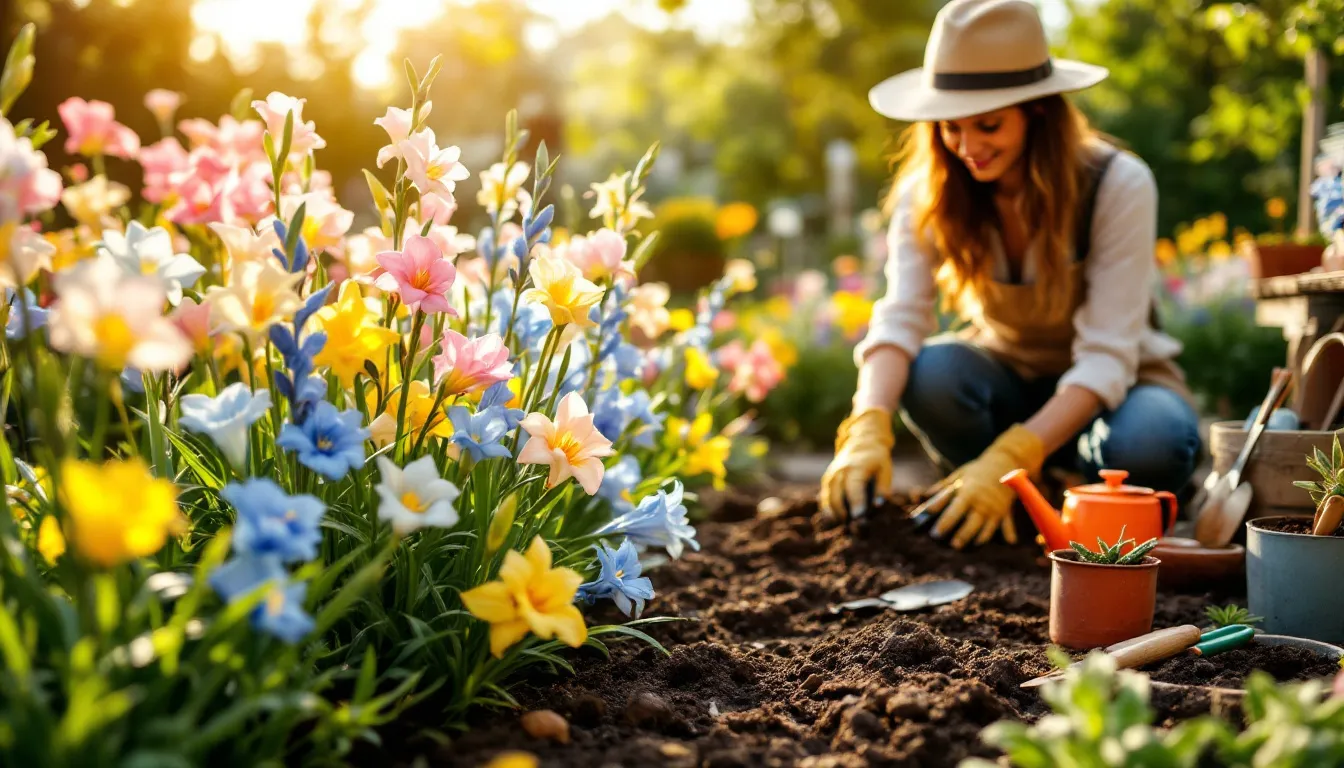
(1063, 416)
(882, 378)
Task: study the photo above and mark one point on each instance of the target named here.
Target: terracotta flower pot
(1092, 605)
(1278, 259)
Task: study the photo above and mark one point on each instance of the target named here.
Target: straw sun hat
(982, 55)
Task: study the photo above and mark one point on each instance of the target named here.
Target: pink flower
(325, 222)
(571, 446)
(250, 194)
(93, 130)
(163, 104)
(194, 321)
(275, 109)
(600, 255)
(466, 364)
(419, 274)
(161, 161)
(397, 123)
(238, 142)
(756, 373)
(729, 355)
(27, 185)
(433, 169)
(437, 209)
(809, 286)
(201, 190)
(725, 320)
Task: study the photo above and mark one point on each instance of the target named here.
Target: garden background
(769, 148)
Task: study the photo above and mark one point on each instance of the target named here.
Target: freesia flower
(275, 109)
(92, 129)
(116, 320)
(329, 442)
(280, 613)
(23, 253)
(562, 289)
(117, 511)
(419, 410)
(571, 446)
(432, 169)
(272, 523)
(419, 274)
(440, 209)
(852, 313)
(740, 275)
(757, 372)
(700, 372)
(648, 308)
(354, 332)
(705, 454)
(619, 579)
(163, 104)
(27, 185)
(466, 365)
(658, 521)
(226, 418)
(94, 200)
(244, 244)
(497, 399)
(397, 123)
(600, 255)
(479, 433)
(258, 295)
(500, 189)
(618, 482)
(150, 252)
(415, 497)
(529, 595)
(325, 222)
(50, 540)
(18, 323)
(193, 320)
(616, 206)
(162, 162)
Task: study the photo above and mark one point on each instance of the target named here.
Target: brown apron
(1035, 342)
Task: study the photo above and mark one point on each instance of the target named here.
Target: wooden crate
(1280, 458)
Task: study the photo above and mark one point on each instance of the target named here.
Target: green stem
(406, 373)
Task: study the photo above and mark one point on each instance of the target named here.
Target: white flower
(23, 253)
(616, 205)
(397, 123)
(416, 496)
(500, 191)
(226, 418)
(150, 252)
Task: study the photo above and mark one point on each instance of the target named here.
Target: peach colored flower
(163, 104)
(648, 308)
(93, 130)
(273, 112)
(571, 446)
(466, 364)
(599, 255)
(194, 321)
(397, 123)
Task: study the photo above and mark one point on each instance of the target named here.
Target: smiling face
(989, 144)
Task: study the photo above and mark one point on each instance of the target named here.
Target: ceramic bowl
(1186, 562)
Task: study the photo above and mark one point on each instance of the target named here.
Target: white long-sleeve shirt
(1113, 336)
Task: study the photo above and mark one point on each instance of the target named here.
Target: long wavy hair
(954, 215)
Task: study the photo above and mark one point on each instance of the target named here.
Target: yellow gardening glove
(981, 503)
(862, 453)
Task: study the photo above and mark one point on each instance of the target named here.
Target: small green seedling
(1109, 554)
(1230, 614)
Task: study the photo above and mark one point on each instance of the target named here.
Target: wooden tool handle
(1154, 646)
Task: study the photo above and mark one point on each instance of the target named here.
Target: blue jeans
(959, 399)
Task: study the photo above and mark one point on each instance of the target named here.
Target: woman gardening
(1041, 234)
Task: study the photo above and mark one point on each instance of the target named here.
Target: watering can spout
(1046, 517)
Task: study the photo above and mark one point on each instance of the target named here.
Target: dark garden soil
(764, 674)
(1300, 525)
(1231, 668)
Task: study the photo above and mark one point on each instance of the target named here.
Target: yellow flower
(419, 406)
(72, 246)
(742, 273)
(50, 540)
(680, 319)
(700, 372)
(229, 357)
(783, 350)
(1166, 251)
(735, 220)
(513, 760)
(779, 307)
(117, 511)
(259, 295)
(354, 334)
(93, 200)
(1187, 240)
(1276, 207)
(1219, 250)
(529, 595)
(1218, 226)
(562, 289)
(704, 454)
(852, 312)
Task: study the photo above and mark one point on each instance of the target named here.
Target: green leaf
(644, 251)
(295, 230)
(381, 197)
(241, 105)
(628, 631)
(18, 71)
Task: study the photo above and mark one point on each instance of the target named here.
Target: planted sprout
(1230, 614)
(1331, 470)
(1109, 554)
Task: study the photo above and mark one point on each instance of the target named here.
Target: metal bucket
(1293, 580)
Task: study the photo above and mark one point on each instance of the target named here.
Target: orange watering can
(1100, 510)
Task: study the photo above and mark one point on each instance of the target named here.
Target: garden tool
(1226, 638)
(923, 514)
(1139, 651)
(914, 597)
(1228, 497)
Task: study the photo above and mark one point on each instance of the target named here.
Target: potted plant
(1295, 564)
(1274, 254)
(1103, 597)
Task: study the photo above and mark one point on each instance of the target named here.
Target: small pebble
(546, 724)
(812, 683)
(770, 506)
(674, 750)
(588, 710)
(865, 724)
(647, 709)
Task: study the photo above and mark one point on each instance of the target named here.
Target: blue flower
(329, 442)
(272, 523)
(619, 580)
(280, 613)
(132, 380)
(227, 418)
(496, 399)
(479, 433)
(18, 323)
(614, 413)
(658, 521)
(618, 481)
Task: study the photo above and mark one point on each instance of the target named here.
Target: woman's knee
(948, 381)
(1153, 435)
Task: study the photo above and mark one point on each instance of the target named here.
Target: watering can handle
(1168, 500)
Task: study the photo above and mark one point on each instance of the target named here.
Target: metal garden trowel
(914, 597)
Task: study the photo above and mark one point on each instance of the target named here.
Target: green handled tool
(1223, 639)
